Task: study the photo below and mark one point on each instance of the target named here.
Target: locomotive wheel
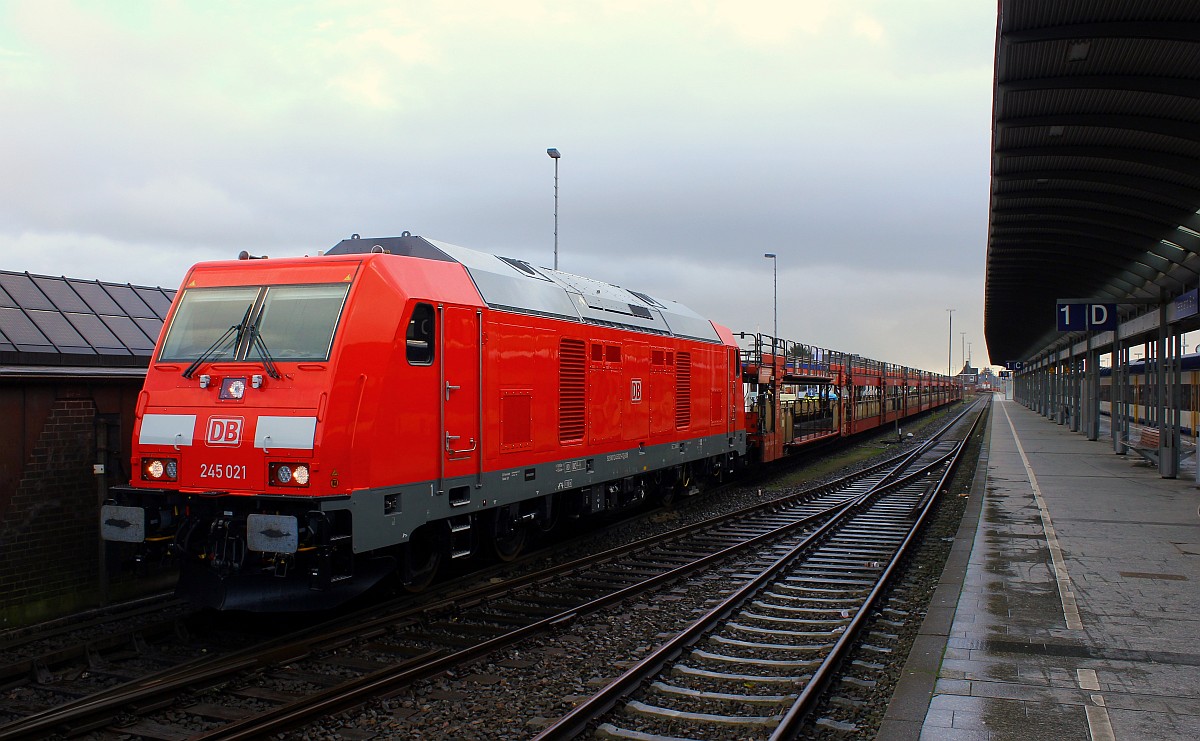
(683, 485)
(508, 533)
(718, 472)
(422, 558)
(667, 487)
(548, 524)
(724, 470)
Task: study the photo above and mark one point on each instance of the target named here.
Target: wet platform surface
(1070, 607)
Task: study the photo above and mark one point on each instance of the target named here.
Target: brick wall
(48, 529)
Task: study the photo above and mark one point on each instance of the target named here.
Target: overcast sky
(850, 138)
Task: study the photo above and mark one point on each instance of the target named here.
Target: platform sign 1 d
(1078, 317)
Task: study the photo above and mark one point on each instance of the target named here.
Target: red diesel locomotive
(311, 425)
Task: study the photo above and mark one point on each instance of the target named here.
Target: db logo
(224, 430)
(635, 390)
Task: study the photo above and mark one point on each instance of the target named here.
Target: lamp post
(554, 155)
(950, 347)
(775, 299)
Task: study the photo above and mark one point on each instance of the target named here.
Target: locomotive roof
(510, 284)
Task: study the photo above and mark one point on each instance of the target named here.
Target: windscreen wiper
(267, 361)
(239, 329)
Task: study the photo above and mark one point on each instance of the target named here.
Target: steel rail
(384, 680)
(43, 661)
(17, 638)
(577, 720)
(803, 705)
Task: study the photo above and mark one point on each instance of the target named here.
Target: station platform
(1070, 606)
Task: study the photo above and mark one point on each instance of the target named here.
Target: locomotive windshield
(293, 322)
(297, 322)
(203, 317)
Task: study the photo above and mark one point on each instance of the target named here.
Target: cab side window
(420, 335)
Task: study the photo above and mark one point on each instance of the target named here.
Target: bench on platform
(1149, 438)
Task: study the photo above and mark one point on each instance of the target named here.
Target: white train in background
(1143, 396)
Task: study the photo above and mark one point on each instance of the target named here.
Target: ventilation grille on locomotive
(572, 390)
(683, 390)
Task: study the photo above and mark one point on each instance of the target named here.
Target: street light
(554, 155)
(950, 346)
(775, 293)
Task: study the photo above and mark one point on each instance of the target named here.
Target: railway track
(755, 665)
(38, 652)
(283, 684)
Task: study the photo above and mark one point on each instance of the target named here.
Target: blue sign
(1186, 305)
(1072, 317)
(1102, 317)
(1078, 317)
(1013, 365)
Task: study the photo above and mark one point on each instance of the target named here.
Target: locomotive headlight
(232, 389)
(160, 469)
(288, 474)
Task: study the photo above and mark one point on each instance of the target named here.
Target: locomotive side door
(734, 371)
(461, 416)
(636, 421)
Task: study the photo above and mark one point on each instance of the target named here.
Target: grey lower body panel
(389, 515)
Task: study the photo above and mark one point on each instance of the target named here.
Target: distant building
(979, 381)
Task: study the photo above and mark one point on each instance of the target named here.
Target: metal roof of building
(1095, 161)
(68, 322)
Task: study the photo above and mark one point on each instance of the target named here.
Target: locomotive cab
(228, 435)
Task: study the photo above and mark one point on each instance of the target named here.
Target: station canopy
(59, 323)
(1095, 162)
